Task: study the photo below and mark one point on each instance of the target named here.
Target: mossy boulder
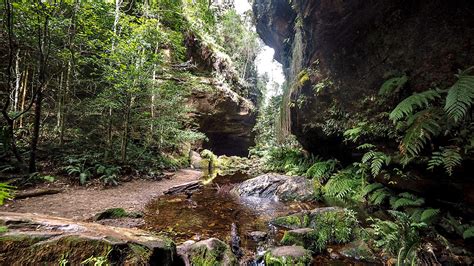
(305, 237)
(210, 252)
(288, 255)
(116, 213)
(44, 240)
(293, 221)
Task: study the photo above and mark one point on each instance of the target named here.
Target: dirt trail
(83, 203)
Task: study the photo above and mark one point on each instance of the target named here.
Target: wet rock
(185, 188)
(39, 239)
(258, 236)
(358, 250)
(207, 252)
(275, 186)
(288, 255)
(334, 255)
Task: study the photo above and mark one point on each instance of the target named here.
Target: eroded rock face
(38, 239)
(275, 186)
(354, 46)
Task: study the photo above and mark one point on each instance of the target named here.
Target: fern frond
(428, 215)
(448, 157)
(379, 196)
(392, 85)
(366, 146)
(375, 160)
(342, 185)
(422, 127)
(322, 170)
(406, 200)
(371, 188)
(406, 107)
(460, 96)
(468, 233)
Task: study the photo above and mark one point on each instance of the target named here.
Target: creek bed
(210, 212)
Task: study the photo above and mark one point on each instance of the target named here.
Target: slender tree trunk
(43, 45)
(24, 89)
(126, 128)
(17, 80)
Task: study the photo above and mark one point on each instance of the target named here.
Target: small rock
(358, 250)
(304, 237)
(334, 255)
(207, 252)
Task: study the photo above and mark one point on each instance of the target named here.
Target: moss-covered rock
(44, 240)
(305, 237)
(293, 221)
(288, 255)
(116, 213)
(210, 252)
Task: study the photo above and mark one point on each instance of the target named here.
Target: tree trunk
(126, 128)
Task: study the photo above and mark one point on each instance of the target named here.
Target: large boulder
(31, 239)
(207, 252)
(275, 186)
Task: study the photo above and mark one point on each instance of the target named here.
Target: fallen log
(184, 188)
(37, 193)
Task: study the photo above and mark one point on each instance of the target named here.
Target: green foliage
(6, 192)
(421, 128)
(460, 96)
(376, 160)
(3, 229)
(108, 174)
(448, 157)
(343, 185)
(376, 193)
(334, 227)
(406, 199)
(322, 170)
(456, 225)
(400, 238)
(406, 107)
(288, 160)
(392, 85)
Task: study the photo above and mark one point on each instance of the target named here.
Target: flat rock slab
(275, 186)
(288, 255)
(40, 239)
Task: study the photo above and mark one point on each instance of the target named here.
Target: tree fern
(448, 157)
(406, 107)
(406, 200)
(322, 170)
(422, 127)
(460, 96)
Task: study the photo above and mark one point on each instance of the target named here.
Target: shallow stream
(210, 212)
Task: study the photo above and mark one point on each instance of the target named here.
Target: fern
(392, 85)
(468, 233)
(406, 200)
(406, 107)
(448, 157)
(460, 96)
(428, 215)
(422, 127)
(376, 160)
(6, 192)
(376, 193)
(322, 170)
(342, 185)
(366, 146)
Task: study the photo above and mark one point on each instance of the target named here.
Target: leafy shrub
(322, 170)
(6, 192)
(288, 160)
(334, 227)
